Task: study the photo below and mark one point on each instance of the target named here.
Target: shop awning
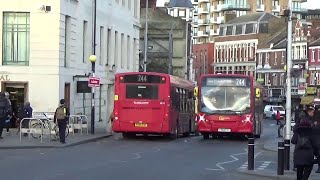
(307, 100)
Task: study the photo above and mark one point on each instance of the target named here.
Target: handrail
(75, 117)
(29, 127)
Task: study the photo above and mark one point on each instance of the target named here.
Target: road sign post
(94, 82)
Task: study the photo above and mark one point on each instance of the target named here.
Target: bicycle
(45, 125)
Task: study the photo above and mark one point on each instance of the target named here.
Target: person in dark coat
(316, 135)
(305, 149)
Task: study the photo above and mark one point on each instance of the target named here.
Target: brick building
(202, 59)
(271, 62)
(239, 39)
(314, 69)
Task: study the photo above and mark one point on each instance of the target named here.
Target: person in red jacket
(278, 117)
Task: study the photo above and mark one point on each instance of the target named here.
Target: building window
(298, 52)
(84, 41)
(318, 54)
(281, 79)
(101, 48)
(274, 79)
(16, 38)
(116, 48)
(267, 58)
(66, 38)
(108, 46)
(128, 52)
(311, 79)
(304, 49)
(312, 55)
(282, 57)
(260, 59)
(275, 58)
(292, 52)
(122, 54)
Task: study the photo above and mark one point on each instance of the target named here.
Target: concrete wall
(160, 24)
(51, 37)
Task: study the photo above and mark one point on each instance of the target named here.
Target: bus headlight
(247, 119)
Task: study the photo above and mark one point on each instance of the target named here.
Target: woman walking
(305, 149)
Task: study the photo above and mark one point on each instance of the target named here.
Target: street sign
(94, 82)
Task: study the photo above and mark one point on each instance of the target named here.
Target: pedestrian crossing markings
(264, 165)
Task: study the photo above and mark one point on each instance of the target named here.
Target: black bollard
(286, 154)
(280, 158)
(251, 154)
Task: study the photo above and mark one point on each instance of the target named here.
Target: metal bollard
(286, 154)
(280, 158)
(251, 154)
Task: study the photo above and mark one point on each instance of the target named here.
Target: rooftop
(180, 3)
(254, 17)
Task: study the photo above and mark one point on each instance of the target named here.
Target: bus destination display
(142, 78)
(226, 82)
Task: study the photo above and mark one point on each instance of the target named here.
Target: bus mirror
(258, 93)
(195, 92)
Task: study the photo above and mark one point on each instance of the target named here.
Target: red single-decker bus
(153, 103)
(229, 105)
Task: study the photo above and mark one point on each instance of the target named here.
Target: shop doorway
(17, 93)
(67, 94)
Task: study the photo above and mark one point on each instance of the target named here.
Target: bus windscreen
(137, 91)
(225, 95)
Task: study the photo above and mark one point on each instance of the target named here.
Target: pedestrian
(28, 109)
(278, 117)
(61, 117)
(9, 117)
(4, 110)
(305, 149)
(316, 133)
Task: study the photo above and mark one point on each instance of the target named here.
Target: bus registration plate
(140, 125)
(224, 130)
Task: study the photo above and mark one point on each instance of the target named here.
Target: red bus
(229, 104)
(153, 103)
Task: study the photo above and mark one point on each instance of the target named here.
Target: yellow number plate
(140, 125)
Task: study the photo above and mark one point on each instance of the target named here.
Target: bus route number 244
(142, 78)
(240, 82)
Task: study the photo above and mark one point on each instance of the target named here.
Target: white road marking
(264, 165)
(226, 162)
(245, 165)
(138, 155)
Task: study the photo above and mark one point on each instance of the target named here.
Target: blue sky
(311, 4)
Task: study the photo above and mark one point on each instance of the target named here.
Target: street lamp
(288, 68)
(93, 59)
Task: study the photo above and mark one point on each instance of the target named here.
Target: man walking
(4, 110)
(61, 116)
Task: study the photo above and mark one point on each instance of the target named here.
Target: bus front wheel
(205, 136)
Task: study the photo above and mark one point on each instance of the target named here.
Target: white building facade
(46, 47)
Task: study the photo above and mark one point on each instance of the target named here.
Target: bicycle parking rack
(31, 130)
(74, 122)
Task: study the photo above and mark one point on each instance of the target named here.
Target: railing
(31, 130)
(74, 123)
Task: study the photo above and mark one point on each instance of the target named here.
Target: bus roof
(224, 75)
(179, 82)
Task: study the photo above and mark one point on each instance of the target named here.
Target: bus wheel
(205, 136)
(127, 135)
(175, 134)
(186, 134)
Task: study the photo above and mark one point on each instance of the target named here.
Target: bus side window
(177, 99)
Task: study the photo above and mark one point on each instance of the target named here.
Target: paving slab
(288, 175)
(12, 141)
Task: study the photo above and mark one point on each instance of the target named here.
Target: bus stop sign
(94, 82)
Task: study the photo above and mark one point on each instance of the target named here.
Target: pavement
(12, 141)
(270, 154)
